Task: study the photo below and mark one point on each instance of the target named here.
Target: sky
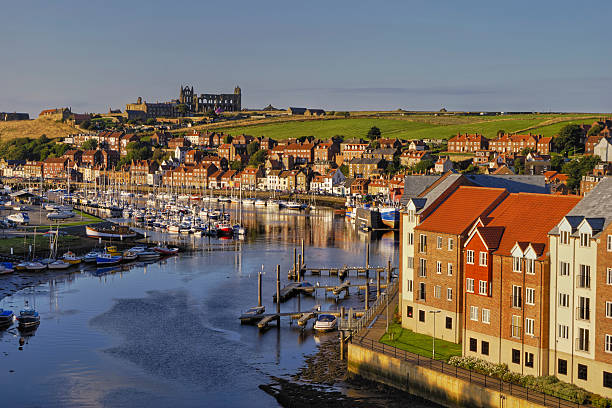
(336, 55)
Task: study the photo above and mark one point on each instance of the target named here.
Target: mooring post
(299, 268)
(377, 283)
(259, 289)
(341, 345)
(388, 272)
(342, 313)
(350, 318)
(368, 255)
(294, 261)
(278, 300)
(303, 255)
(367, 294)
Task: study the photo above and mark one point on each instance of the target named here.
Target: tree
(227, 139)
(374, 133)
(527, 150)
(86, 124)
(595, 129)
(252, 147)
(345, 170)
(90, 144)
(501, 132)
(423, 166)
(556, 162)
(236, 165)
(568, 140)
(338, 139)
(258, 158)
(519, 166)
(577, 168)
(375, 144)
(151, 121)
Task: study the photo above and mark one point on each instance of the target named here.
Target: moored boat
(148, 255)
(91, 257)
(390, 216)
(164, 250)
(28, 317)
(115, 231)
(35, 266)
(108, 259)
(6, 317)
(58, 264)
(6, 268)
(325, 322)
(71, 258)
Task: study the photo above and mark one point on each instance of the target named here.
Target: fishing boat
(35, 266)
(114, 231)
(91, 257)
(28, 317)
(108, 259)
(6, 268)
(58, 264)
(148, 255)
(71, 258)
(390, 216)
(112, 249)
(164, 250)
(224, 228)
(325, 322)
(6, 317)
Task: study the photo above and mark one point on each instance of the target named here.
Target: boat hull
(95, 233)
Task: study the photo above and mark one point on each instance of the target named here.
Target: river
(167, 333)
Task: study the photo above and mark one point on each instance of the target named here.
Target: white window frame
(563, 300)
(564, 237)
(609, 276)
(530, 296)
(608, 343)
(449, 269)
(411, 238)
(530, 266)
(517, 264)
(609, 310)
(483, 287)
(423, 243)
(486, 316)
(451, 244)
(474, 313)
(437, 291)
(449, 294)
(529, 326)
(482, 258)
(564, 268)
(563, 331)
(469, 257)
(438, 267)
(517, 296)
(409, 285)
(585, 240)
(439, 243)
(469, 285)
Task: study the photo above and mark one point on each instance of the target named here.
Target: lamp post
(433, 339)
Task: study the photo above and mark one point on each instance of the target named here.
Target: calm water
(167, 333)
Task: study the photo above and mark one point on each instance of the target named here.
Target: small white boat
(58, 264)
(148, 255)
(71, 258)
(325, 322)
(91, 257)
(35, 266)
(5, 268)
(260, 203)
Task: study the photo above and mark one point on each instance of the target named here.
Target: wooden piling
(388, 271)
(303, 255)
(341, 345)
(299, 268)
(368, 255)
(367, 294)
(377, 283)
(259, 289)
(278, 290)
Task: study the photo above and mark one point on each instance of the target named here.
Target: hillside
(34, 129)
(409, 127)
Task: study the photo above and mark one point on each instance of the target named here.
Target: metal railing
(374, 309)
(472, 377)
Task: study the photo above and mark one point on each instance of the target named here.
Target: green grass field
(419, 343)
(414, 127)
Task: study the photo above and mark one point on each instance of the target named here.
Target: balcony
(583, 281)
(582, 345)
(515, 331)
(583, 313)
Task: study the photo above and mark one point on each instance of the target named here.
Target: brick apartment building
(467, 143)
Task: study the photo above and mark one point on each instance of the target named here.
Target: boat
(260, 203)
(174, 229)
(6, 317)
(148, 255)
(112, 249)
(293, 205)
(108, 259)
(225, 229)
(28, 317)
(58, 264)
(164, 250)
(60, 215)
(19, 218)
(129, 256)
(35, 266)
(390, 216)
(6, 268)
(239, 229)
(71, 258)
(114, 231)
(91, 257)
(252, 315)
(21, 266)
(325, 322)
(306, 287)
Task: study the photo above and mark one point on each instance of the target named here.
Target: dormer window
(565, 235)
(585, 239)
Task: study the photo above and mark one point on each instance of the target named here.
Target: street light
(433, 339)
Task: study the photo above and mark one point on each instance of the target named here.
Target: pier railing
(374, 309)
(470, 376)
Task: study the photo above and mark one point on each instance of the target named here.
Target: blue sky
(472, 55)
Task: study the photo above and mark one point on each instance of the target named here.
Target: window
(608, 343)
(609, 309)
(563, 268)
(528, 359)
(584, 277)
(437, 290)
(409, 285)
(582, 342)
(516, 327)
(482, 287)
(530, 296)
(410, 262)
(530, 266)
(529, 326)
(423, 243)
(439, 246)
(609, 276)
(449, 293)
(409, 311)
(411, 215)
(563, 300)
(421, 294)
(474, 313)
(585, 239)
(473, 344)
(565, 237)
(421, 315)
(516, 356)
(449, 269)
(517, 265)
(449, 322)
(469, 285)
(584, 311)
(484, 347)
(562, 366)
(517, 300)
(486, 316)
(470, 257)
(451, 244)
(411, 238)
(422, 267)
(609, 246)
(438, 267)
(582, 372)
(482, 260)
(563, 331)
(607, 379)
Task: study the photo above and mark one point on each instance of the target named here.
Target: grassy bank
(420, 344)
(40, 244)
(35, 129)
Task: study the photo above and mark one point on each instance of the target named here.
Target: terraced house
(581, 293)
(506, 264)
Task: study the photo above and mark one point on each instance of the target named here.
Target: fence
(373, 310)
(472, 377)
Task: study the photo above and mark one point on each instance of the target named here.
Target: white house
(603, 149)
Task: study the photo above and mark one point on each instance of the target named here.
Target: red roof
(462, 208)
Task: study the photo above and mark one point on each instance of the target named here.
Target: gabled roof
(512, 183)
